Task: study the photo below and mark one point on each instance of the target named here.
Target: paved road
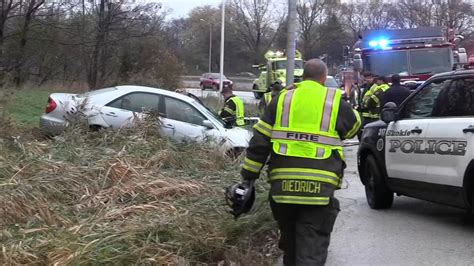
(412, 232)
(241, 84)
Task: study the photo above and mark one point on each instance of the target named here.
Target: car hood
(238, 137)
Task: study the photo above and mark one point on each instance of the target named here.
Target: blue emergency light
(381, 43)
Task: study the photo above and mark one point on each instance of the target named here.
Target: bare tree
(310, 13)
(254, 21)
(453, 14)
(28, 10)
(367, 15)
(7, 8)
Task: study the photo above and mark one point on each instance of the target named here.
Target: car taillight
(51, 105)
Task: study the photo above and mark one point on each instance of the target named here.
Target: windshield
(413, 62)
(206, 110)
(282, 64)
(386, 63)
(430, 61)
(331, 82)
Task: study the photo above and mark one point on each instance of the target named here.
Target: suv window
(456, 99)
(422, 104)
(181, 111)
(137, 102)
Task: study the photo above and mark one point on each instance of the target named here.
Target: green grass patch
(26, 106)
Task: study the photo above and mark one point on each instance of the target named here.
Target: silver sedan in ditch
(182, 117)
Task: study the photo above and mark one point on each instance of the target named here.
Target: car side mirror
(229, 122)
(208, 124)
(389, 112)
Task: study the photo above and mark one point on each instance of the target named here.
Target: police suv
(424, 148)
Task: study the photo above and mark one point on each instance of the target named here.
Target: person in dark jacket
(267, 97)
(397, 92)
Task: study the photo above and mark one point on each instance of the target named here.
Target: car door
(183, 122)
(123, 111)
(451, 132)
(405, 153)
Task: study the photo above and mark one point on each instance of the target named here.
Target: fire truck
(274, 71)
(414, 54)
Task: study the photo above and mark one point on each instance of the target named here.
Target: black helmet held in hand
(240, 197)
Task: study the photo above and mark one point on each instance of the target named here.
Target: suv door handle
(416, 130)
(469, 129)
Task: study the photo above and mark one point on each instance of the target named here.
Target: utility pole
(210, 47)
(291, 43)
(222, 47)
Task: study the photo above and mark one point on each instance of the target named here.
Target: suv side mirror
(208, 124)
(389, 112)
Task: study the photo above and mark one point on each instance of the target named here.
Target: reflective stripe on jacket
(267, 97)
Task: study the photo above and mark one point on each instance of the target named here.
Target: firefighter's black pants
(305, 231)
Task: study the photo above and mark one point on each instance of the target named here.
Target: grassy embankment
(120, 198)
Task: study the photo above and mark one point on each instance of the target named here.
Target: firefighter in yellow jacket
(301, 132)
(371, 103)
(233, 107)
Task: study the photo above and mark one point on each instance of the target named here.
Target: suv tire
(376, 191)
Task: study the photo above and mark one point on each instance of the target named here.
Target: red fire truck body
(414, 54)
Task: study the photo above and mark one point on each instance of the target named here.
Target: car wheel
(95, 128)
(376, 191)
(234, 153)
(202, 86)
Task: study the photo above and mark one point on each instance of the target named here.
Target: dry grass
(121, 198)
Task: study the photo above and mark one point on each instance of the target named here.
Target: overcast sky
(180, 8)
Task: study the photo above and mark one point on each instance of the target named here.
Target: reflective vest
(267, 97)
(239, 111)
(305, 127)
(374, 94)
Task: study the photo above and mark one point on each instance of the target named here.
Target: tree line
(105, 42)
